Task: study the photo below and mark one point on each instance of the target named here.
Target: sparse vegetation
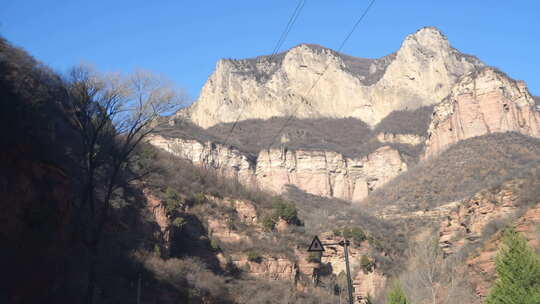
(396, 295)
(286, 211)
(406, 122)
(314, 257)
(173, 200)
(253, 135)
(355, 234)
(462, 170)
(254, 256)
(366, 264)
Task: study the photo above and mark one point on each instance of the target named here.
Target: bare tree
(434, 278)
(111, 115)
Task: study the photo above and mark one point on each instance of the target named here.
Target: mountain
(310, 81)
(417, 140)
(420, 158)
(422, 99)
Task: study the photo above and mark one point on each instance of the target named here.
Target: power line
(281, 40)
(324, 71)
(288, 28)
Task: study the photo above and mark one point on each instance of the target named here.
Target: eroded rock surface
(485, 101)
(420, 73)
(478, 220)
(393, 138)
(318, 172)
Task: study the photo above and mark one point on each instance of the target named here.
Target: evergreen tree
(518, 272)
(397, 295)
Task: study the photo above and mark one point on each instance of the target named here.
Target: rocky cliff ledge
(485, 101)
(318, 172)
(420, 73)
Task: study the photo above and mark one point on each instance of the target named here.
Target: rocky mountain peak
(420, 73)
(426, 37)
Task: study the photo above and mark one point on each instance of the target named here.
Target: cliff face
(318, 172)
(420, 73)
(475, 222)
(328, 173)
(229, 161)
(467, 222)
(483, 102)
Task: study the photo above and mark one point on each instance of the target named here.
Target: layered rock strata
(393, 138)
(318, 172)
(476, 221)
(318, 82)
(485, 101)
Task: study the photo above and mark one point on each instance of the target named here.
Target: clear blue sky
(184, 39)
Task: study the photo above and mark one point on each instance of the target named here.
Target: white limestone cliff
(318, 172)
(420, 73)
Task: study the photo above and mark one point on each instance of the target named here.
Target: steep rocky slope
(485, 101)
(319, 172)
(420, 73)
(471, 229)
(460, 171)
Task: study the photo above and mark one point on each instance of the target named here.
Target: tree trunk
(91, 286)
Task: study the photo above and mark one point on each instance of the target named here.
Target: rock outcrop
(228, 161)
(271, 268)
(310, 81)
(469, 220)
(408, 139)
(328, 173)
(476, 222)
(318, 172)
(482, 102)
(481, 266)
(157, 209)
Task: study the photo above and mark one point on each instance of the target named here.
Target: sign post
(318, 246)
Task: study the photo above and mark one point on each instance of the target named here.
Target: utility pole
(318, 246)
(345, 244)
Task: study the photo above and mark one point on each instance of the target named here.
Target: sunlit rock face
(328, 173)
(482, 102)
(310, 81)
(318, 172)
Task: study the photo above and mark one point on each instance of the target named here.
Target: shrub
(254, 256)
(214, 244)
(397, 295)
(179, 222)
(314, 257)
(286, 211)
(173, 200)
(366, 264)
(268, 223)
(356, 234)
(198, 198)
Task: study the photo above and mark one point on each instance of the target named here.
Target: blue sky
(184, 39)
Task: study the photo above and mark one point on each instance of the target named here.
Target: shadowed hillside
(462, 170)
(349, 136)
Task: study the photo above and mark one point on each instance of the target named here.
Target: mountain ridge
(309, 81)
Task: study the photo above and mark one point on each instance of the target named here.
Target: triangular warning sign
(316, 245)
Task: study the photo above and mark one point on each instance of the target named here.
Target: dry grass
(461, 171)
